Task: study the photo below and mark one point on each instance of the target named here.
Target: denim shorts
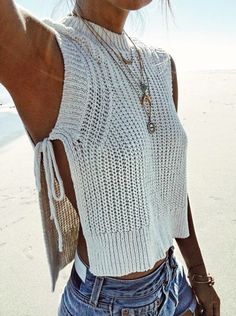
(163, 292)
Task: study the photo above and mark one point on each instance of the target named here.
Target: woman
(98, 107)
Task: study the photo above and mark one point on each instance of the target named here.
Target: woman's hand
(207, 298)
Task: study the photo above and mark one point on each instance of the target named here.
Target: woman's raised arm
(29, 62)
(16, 40)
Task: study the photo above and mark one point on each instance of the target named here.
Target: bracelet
(208, 279)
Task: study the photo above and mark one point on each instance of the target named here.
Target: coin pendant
(151, 127)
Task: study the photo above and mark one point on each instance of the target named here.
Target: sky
(201, 35)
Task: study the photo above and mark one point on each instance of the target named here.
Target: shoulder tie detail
(45, 148)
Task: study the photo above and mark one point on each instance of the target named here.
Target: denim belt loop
(97, 287)
(169, 268)
(171, 257)
(171, 251)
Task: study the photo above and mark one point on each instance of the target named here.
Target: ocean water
(5, 98)
(11, 126)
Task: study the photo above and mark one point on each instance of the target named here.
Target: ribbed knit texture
(130, 185)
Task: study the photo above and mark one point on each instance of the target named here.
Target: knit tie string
(45, 148)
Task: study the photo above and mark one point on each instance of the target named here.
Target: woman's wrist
(198, 279)
(198, 275)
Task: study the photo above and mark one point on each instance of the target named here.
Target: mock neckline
(116, 40)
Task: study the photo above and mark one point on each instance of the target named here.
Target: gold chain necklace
(145, 99)
(142, 68)
(120, 56)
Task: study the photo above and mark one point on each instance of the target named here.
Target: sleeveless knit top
(130, 185)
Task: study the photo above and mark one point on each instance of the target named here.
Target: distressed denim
(164, 292)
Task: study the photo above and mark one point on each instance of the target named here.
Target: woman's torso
(45, 91)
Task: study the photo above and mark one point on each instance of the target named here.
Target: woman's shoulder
(57, 25)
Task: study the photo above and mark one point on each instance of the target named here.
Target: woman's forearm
(190, 249)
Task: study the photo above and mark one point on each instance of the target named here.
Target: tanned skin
(31, 69)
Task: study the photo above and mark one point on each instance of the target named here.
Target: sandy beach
(207, 110)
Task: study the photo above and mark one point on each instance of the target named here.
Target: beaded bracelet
(210, 280)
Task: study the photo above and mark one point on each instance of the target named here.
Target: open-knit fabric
(130, 185)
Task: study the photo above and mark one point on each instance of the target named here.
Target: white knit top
(130, 185)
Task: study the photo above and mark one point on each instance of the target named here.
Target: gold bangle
(210, 280)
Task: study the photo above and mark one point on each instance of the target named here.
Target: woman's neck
(103, 13)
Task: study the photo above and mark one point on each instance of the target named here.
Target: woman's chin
(130, 4)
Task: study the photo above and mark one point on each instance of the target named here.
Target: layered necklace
(145, 99)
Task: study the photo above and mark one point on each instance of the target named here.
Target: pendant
(145, 98)
(126, 61)
(143, 87)
(151, 127)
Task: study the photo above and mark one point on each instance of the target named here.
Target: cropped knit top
(130, 185)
